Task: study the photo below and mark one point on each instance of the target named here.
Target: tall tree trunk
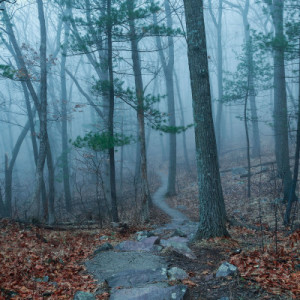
(280, 100)
(111, 114)
(292, 197)
(211, 201)
(64, 108)
(137, 70)
(168, 68)
(42, 114)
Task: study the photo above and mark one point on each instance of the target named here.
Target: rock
(179, 245)
(104, 238)
(84, 296)
(226, 269)
(144, 245)
(179, 233)
(177, 274)
(157, 248)
(43, 279)
(224, 298)
(136, 278)
(151, 292)
(140, 235)
(106, 264)
(104, 247)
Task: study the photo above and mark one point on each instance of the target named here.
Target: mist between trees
(99, 97)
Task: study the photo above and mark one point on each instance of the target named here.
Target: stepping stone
(144, 245)
(106, 264)
(177, 274)
(104, 247)
(151, 292)
(179, 245)
(136, 278)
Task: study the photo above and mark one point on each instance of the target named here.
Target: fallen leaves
(38, 264)
(274, 271)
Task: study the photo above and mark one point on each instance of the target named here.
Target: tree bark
(280, 100)
(64, 109)
(137, 70)
(168, 68)
(43, 135)
(211, 201)
(112, 168)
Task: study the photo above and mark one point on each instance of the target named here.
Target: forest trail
(137, 269)
(159, 200)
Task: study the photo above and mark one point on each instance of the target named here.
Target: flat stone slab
(151, 292)
(106, 264)
(136, 278)
(179, 244)
(177, 274)
(145, 244)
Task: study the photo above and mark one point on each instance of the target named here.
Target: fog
(96, 151)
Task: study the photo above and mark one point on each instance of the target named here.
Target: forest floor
(40, 263)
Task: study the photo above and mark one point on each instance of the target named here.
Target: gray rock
(137, 278)
(151, 292)
(106, 264)
(179, 245)
(177, 274)
(224, 298)
(84, 296)
(157, 248)
(104, 238)
(226, 269)
(140, 235)
(144, 245)
(179, 233)
(104, 247)
(43, 279)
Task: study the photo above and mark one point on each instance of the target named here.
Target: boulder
(151, 292)
(226, 269)
(104, 247)
(144, 245)
(140, 235)
(179, 233)
(179, 245)
(84, 296)
(177, 274)
(136, 278)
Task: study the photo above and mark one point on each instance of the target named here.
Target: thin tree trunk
(254, 118)
(185, 152)
(42, 114)
(64, 108)
(280, 101)
(211, 201)
(168, 68)
(111, 114)
(146, 198)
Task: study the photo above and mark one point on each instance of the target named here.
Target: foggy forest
(149, 149)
